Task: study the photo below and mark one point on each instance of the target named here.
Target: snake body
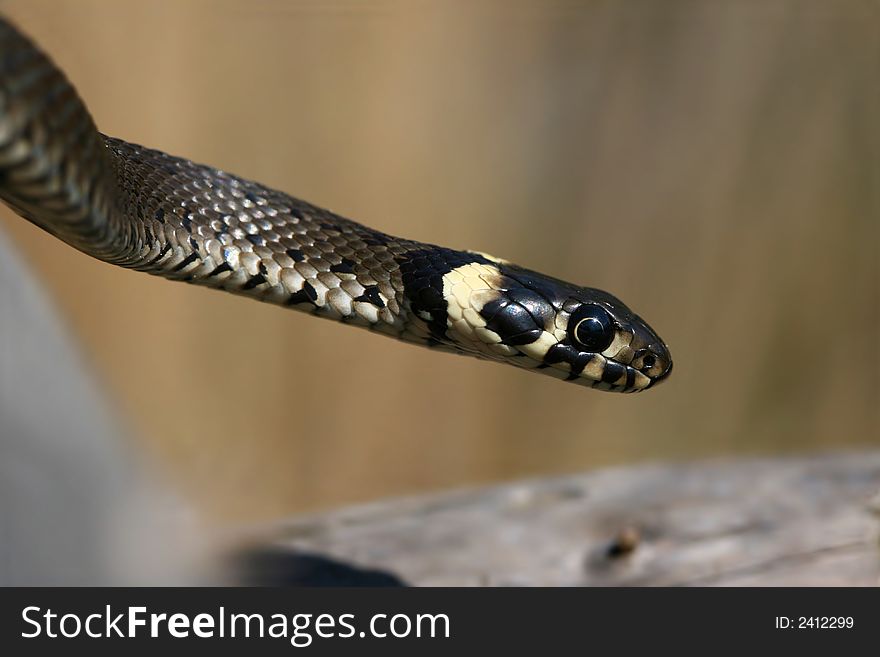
(147, 210)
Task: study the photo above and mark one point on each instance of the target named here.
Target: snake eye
(592, 328)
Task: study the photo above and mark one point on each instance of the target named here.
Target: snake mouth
(636, 380)
(612, 375)
(602, 373)
(640, 380)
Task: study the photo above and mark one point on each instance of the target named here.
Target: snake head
(503, 312)
(605, 345)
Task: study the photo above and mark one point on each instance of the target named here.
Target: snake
(146, 210)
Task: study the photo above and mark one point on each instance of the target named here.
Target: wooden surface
(782, 521)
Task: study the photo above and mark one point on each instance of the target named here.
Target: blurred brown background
(714, 164)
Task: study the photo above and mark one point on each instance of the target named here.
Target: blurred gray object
(76, 508)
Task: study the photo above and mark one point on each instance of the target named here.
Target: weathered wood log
(776, 521)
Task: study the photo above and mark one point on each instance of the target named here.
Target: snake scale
(147, 210)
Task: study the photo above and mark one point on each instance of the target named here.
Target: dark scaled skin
(143, 209)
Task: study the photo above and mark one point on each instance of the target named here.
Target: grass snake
(147, 210)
